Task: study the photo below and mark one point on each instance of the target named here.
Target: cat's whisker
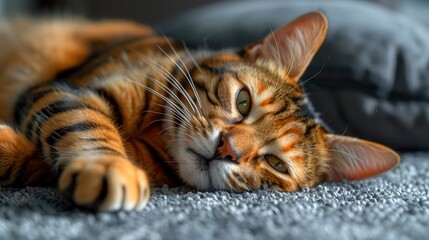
(167, 100)
(193, 105)
(182, 121)
(159, 120)
(179, 130)
(342, 152)
(230, 181)
(173, 95)
(194, 61)
(166, 107)
(169, 92)
(126, 59)
(240, 183)
(188, 121)
(301, 84)
(163, 131)
(188, 76)
(171, 121)
(345, 153)
(171, 79)
(328, 166)
(200, 70)
(177, 140)
(185, 121)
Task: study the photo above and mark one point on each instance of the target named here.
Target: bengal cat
(107, 109)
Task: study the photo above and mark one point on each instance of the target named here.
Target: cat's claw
(105, 184)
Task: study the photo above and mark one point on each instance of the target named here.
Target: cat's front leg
(75, 134)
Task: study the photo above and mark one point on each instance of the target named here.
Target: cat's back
(129, 56)
(37, 51)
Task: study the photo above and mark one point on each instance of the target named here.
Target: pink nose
(225, 150)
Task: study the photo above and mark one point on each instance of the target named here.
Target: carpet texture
(393, 206)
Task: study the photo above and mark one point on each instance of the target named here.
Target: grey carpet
(393, 206)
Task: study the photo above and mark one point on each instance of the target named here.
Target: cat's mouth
(206, 172)
(204, 161)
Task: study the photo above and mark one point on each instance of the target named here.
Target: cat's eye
(243, 102)
(276, 163)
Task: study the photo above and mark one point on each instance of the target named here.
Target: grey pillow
(370, 79)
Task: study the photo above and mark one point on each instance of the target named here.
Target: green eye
(243, 102)
(276, 163)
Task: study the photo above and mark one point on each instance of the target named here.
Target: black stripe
(103, 93)
(283, 109)
(309, 127)
(38, 133)
(306, 108)
(209, 97)
(25, 102)
(202, 86)
(216, 93)
(147, 100)
(78, 127)
(217, 70)
(240, 178)
(22, 176)
(7, 174)
(58, 134)
(162, 163)
(307, 111)
(44, 114)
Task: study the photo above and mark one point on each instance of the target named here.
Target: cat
(107, 109)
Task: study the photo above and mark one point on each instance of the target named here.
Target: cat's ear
(356, 159)
(293, 45)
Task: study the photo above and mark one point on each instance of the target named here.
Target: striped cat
(107, 109)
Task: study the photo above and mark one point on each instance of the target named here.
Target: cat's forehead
(262, 79)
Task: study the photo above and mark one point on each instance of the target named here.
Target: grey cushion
(371, 77)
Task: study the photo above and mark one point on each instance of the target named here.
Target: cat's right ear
(292, 46)
(356, 159)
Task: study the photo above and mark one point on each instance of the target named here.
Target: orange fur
(141, 110)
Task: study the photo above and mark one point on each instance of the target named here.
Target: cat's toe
(105, 184)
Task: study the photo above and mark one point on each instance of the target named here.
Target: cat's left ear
(356, 159)
(293, 45)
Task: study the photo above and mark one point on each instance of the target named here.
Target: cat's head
(254, 127)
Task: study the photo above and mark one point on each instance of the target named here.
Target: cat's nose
(225, 151)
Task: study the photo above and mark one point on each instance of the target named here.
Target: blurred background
(153, 12)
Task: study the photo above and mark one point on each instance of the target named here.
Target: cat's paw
(105, 184)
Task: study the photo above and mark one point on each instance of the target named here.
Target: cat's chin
(203, 174)
(196, 172)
